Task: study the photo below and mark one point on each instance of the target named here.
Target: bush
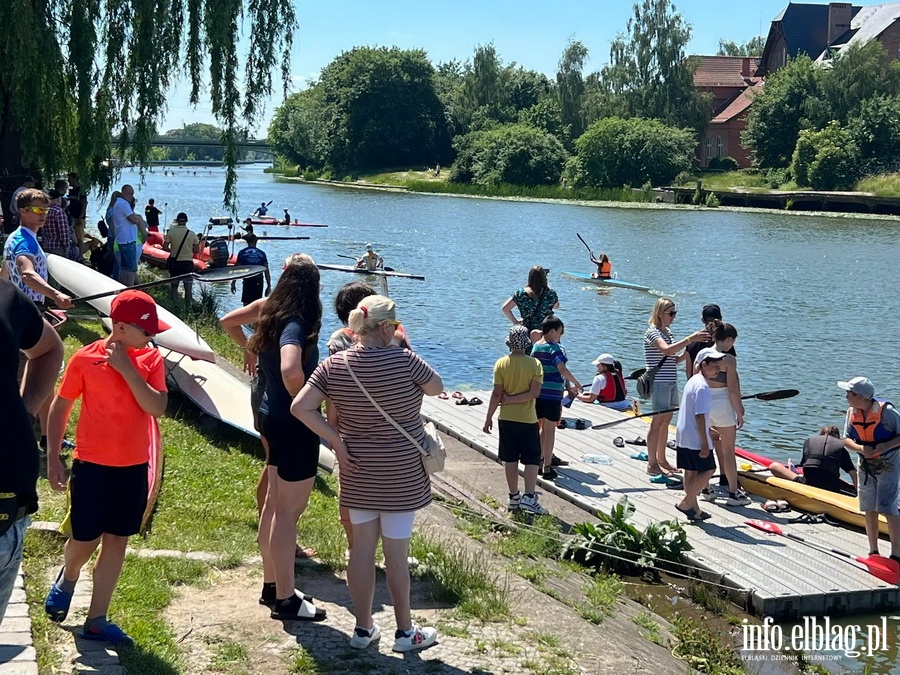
(512, 153)
(712, 201)
(723, 164)
(310, 174)
(826, 159)
(615, 152)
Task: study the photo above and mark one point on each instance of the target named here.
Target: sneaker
(514, 502)
(549, 473)
(739, 498)
(530, 504)
(708, 495)
(558, 461)
(362, 638)
(417, 638)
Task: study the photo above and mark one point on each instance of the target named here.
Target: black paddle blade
(776, 395)
(216, 274)
(636, 374)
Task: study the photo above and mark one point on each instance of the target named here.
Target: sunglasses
(146, 334)
(672, 312)
(39, 210)
(393, 322)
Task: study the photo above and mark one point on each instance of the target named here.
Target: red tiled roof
(738, 105)
(723, 71)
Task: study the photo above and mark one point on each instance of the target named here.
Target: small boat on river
(388, 272)
(264, 220)
(615, 283)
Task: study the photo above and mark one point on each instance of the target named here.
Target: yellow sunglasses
(40, 210)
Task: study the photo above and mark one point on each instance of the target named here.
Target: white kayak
(81, 280)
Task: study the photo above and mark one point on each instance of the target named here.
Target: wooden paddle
(776, 395)
(216, 275)
(886, 569)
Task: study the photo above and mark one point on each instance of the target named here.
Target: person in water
(370, 260)
(824, 457)
(604, 267)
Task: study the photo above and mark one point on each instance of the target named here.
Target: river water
(814, 298)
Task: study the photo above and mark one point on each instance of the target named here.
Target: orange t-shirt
(112, 429)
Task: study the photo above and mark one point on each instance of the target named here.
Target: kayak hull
(376, 273)
(613, 283)
(276, 221)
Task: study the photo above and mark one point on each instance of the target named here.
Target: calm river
(814, 299)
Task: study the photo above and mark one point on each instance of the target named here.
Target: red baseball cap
(138, 309)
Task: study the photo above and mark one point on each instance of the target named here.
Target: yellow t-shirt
(177, 234)
(516, 372)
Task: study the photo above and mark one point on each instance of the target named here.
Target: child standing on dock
(693, 436)
(121, 382)
(517, 383)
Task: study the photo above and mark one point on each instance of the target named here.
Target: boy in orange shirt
(121, 382)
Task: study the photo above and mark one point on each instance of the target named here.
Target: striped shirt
(551, 355)
(652, 356)
(390, 475)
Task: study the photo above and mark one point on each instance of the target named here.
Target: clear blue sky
(530, 32)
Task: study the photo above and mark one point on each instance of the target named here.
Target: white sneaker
(418, 638)
(708, 495)
(514, 502)
(362, 638)
(531, 505)
(739, 498)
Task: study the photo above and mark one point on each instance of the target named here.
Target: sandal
(461, 400)
(640, 456)
(457, 394)
(771, 506)
(475, 401)
(637, 441)
(305, 611)
(443, 395)
(111, 633)
(619, 442)
(671, 445)
(581, 424)
(668, 481)
(783, 506)
(654, 470)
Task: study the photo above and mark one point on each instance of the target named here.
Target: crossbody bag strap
(183, 239)
(659, 365)
(378, 407)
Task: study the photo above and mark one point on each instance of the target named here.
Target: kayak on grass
(616, 283)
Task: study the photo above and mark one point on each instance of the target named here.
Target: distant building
(731, 82)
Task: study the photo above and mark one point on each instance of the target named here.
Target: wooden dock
(770, 575)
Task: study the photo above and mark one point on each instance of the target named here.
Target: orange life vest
(866, 427)
(606, 270)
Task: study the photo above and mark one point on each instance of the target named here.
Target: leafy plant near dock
(703, 650)
(618, 546)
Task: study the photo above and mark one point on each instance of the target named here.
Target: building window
(709, 152)
(720, 147)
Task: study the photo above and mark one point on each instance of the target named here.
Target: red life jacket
(614, 389)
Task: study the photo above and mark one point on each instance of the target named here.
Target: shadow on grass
(80, 332)
(216, 433)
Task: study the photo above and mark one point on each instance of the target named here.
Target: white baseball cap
(710, 353)
(862, 386)
(604, 358)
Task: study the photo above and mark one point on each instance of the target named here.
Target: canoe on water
(615, 283)
(802, 497)
(262, 220)
(377, 273)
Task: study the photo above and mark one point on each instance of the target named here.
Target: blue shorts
(664, 395)
(11, 545)
(879, 484)
(128, 257)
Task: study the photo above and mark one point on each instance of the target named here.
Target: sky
(531, 33)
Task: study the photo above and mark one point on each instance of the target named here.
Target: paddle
(210, 276)
(585, 244)
(349, 257)
(636, 374)
(886, 569)
(776, 395)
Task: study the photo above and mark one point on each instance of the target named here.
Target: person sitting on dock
(608, 387)
(824, 456)
(370, 260)
(872, 429)
(604, 267)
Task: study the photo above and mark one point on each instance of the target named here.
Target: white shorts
(721, 412)
(394, 524)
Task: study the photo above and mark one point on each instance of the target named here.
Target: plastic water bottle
(598, 458)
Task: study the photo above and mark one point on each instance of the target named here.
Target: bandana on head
(519, 337)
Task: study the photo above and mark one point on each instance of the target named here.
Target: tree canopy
(75, 73)
(753, 47)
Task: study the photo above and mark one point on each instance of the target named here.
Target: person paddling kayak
(604, 267)
(370, 260)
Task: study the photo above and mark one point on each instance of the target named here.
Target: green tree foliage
(857, 74)
(753, 47)
(614, 152)
(198, 131)
(75, 72)
(570, 88)
(513, 153)
(381, 109)
(297, 130)
(781, 110)
(876, 133)
(826, 159)
(546, 115)
(649, 75)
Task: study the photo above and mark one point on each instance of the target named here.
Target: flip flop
(783, 506)
(581, 424)
(771, 506)
(457, 394)
(640, 456)
(637, 441)
(663, 479)
(462, 400)
(443, 395)
(475, 401)
(619, 442)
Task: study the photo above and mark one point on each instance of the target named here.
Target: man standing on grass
(22, 330)
(517, 383)
(126, 224)
(693, 435)
(121, 382)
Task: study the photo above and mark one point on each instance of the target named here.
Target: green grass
(541, 538)
(727, 179)
(646, 621)
(883, 185)
(708, 598)
(703, 650)
(601, 594)
(230, 657)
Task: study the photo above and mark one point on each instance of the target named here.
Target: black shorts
(519, 442)
(252, 289)
(293, 448)
(107, 499)
(548, 409)
(179, 267)
(690, 460)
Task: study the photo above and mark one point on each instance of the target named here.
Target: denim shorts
(880, 484)
(128, 257)
(664, 395)
(11, 545)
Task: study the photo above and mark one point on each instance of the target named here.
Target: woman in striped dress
(383, 481)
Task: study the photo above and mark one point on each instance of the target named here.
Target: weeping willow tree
(76, 73)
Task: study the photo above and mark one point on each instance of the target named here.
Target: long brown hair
(537, 280)
(295, 295)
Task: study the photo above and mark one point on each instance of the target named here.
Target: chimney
(745, 67)
(839, 17)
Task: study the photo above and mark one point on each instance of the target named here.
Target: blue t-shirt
(23, 242)
(276, 402)
(551, 354)
(252, 256)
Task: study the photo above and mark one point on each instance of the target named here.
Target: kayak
(802, 497)
(615, 283)
(257, 220)
(82, 280)
(376, 273)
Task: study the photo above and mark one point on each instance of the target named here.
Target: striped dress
(390, 475)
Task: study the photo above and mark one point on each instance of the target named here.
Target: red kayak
(257, 220)
(153, 255)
